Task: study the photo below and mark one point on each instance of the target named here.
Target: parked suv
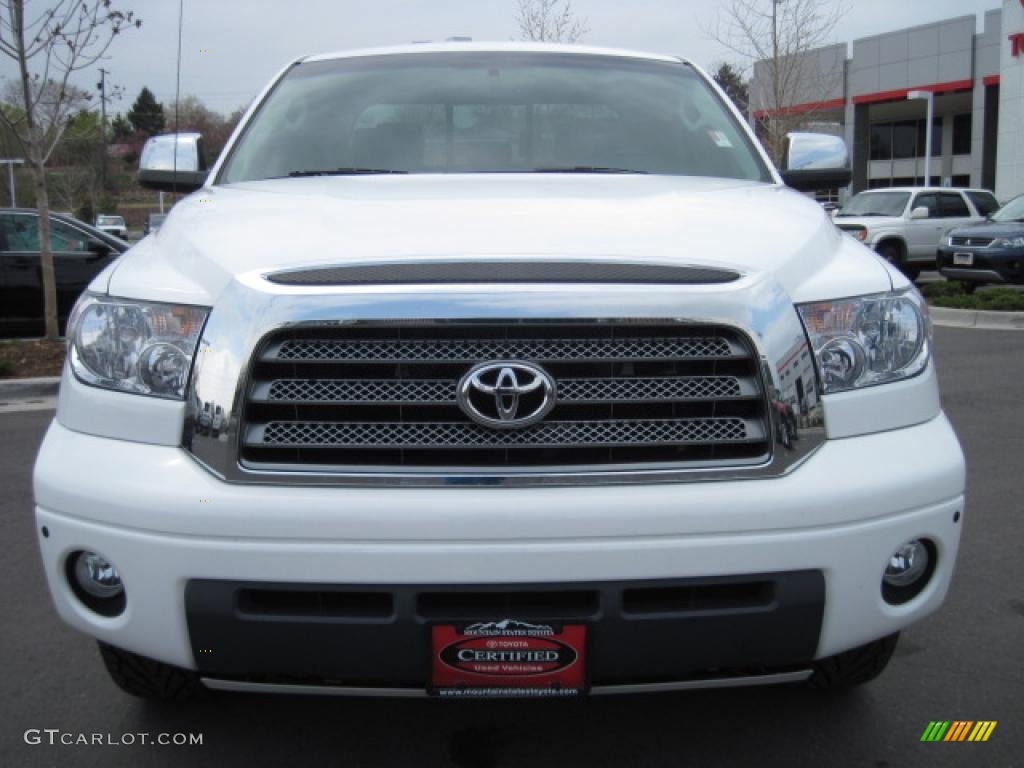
(906, 225)
(992, 252)
(455, 376)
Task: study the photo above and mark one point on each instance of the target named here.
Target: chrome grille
(971, 242)
(382, 396)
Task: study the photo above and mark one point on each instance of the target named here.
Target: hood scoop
(504, 271)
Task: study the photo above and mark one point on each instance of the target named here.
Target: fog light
(907, 564)
(908, 571)
(97, 576)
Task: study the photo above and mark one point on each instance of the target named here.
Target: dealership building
(861, 91)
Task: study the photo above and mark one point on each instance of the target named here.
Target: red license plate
(508, 658)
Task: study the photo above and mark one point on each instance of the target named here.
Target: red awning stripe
(872, 98)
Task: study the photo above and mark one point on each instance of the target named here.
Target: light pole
(10, 178)
(930, 98)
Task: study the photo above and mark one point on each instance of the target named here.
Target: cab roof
(494, 47)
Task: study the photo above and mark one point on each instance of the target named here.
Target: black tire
(854, 667)
(893, 253)
(150, 679)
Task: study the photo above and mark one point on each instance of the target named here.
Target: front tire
(148, 678)
(855, 666)
(893, 253)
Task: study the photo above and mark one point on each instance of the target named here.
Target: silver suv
(906, 225)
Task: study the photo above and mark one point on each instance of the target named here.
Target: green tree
(731, 81)
(147, 114)
(120, 128)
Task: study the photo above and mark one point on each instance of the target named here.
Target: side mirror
(815, 161)
(173, 162)
(99, 248)
(919, 213)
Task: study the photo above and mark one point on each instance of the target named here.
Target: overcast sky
(230, 48)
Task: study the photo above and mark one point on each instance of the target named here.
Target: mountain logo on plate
(509, 628)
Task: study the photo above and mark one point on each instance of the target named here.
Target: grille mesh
(553, 434)
(520, 349)
(441, 391)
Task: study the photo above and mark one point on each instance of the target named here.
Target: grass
(951, 294)
(6, 368)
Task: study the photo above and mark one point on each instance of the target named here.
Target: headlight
(134, 346)
(868, 340)
(1010, 242)
(860, 233)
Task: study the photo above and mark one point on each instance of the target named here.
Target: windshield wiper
(584, 169)
(342, 172)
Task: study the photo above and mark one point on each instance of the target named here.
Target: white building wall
(1010, 156)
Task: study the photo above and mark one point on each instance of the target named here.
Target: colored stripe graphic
(982, 730)
(935, 730)
(958, 730)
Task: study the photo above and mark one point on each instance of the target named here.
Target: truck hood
(991, 229)
(221, 232)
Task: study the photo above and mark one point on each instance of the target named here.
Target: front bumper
(167, 523)
(989, 265)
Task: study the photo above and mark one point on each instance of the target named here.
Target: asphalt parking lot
(965, 663)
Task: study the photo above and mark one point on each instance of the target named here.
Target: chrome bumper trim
(976, 275)
(238, 686)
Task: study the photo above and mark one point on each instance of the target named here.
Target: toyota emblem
(506, 395)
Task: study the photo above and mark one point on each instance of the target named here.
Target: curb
(977, 318)
(16, 389)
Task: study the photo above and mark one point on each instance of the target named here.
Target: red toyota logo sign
(1017, 43)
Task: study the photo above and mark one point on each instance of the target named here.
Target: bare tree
(779, 39)
(66, 37)
(550, 21)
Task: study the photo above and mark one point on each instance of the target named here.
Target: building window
(881, 141)
(904, 140)
(962, 134)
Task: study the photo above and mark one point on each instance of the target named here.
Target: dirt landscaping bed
(30, 359)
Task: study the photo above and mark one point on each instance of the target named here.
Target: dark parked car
(992, 252)
(80, 251)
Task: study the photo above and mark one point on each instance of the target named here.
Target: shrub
(994, 299)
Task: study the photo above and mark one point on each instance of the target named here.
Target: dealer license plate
(963, 259)
(508, 658)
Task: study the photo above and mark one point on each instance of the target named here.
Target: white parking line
(29, 404)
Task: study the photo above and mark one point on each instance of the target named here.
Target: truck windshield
(876, 204)
(492, 112)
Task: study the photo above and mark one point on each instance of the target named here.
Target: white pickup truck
(496, 370)
(907, 225)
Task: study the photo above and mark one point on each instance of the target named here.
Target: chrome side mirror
(815, 161)
(173, 162)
